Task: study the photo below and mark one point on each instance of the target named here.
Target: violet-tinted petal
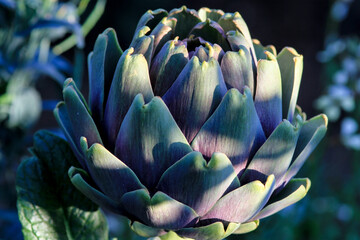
(213, 14)
(151, 19)
(81, 121)
(197, 183)
(71, 82)
(110, 174)
(76, 177)
(159, 211)
(291, 67)
(233, 129)
(102, 62)
(237, 69)
(233, 22)
(206, 51)
(211, 31)
(167, 65)
(245, 202)
(218, 53)
(195, 95)
(268, 94)
(163, 32)
(143, 44)
(274, 156)
(311, 134)
(237, 41)
(202, 53)
(186, 20)
(63, 119)
(149, 140)
(294, 191)
(131, 77)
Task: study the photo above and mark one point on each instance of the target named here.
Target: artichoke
(193, 131)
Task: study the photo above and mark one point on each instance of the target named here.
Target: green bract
(194, 129)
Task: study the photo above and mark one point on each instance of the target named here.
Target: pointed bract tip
(237, 15)
(68, 81)
(270, 181)
(256, 41)
(292, 51)
(84, 144)
(326, 120)
(143, 31)
(270, 56)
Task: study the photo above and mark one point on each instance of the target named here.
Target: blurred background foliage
(35, 36)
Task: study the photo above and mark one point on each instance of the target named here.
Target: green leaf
(49, 207)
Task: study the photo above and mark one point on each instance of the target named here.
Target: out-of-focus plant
(28, 30)
(192, 132)
(33, 35)
(341, 59)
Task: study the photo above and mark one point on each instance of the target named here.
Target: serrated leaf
(49, 206)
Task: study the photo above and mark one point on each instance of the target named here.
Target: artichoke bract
(192, 131)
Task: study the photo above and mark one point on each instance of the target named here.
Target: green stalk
(82, 6)
(86, 27)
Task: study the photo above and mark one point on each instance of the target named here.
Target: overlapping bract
(193, 129)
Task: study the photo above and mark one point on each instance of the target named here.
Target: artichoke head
(193, 131)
